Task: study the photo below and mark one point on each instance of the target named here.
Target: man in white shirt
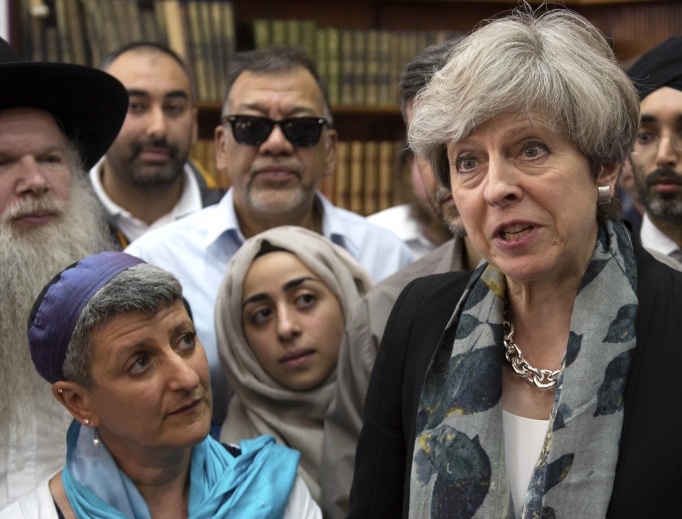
(55, 119)
(657, 152)
(145, 180)
(276, 144)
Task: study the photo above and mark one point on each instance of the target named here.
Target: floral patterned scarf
(459, 469)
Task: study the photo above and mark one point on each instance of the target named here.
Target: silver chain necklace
(540, 378)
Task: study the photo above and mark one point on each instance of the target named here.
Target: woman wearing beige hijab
(280, 316)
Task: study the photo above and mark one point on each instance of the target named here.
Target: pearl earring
(86, 421)
(95, 442)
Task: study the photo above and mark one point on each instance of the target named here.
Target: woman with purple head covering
(113, 337)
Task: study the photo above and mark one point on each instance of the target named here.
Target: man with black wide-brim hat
(55, 121)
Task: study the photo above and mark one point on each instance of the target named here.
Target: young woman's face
(292, 321)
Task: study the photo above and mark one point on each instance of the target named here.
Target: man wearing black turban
(657, 153)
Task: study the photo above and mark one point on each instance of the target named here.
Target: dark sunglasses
(254, 131)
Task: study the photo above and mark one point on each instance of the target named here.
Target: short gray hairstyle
(141, 288)
(556, 65)
(275, 59)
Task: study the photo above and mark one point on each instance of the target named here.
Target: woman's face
(527, 198)
(292, 321)
(153, 387)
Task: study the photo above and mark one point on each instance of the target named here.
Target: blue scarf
(255, 484)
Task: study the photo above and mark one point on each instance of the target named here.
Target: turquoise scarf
(458, 467)
(255, 484)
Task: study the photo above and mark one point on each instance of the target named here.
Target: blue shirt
(197, 248)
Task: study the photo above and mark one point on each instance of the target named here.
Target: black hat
(661, 66)
(88, 104)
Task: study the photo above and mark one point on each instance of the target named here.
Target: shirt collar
(226, 222)
(653, 238)
(189, 201)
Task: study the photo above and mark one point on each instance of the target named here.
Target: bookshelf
(634, 26)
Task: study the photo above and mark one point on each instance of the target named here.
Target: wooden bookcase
(633, 27)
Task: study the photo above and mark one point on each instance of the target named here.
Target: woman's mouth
(515, 232)
(296, 358)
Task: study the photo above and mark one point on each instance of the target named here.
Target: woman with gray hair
(536, 386)
(113, 338)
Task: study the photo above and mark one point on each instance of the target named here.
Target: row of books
(364, 180)
(85, 31)
(360, 67)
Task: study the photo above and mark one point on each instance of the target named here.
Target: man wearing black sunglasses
(276, 143)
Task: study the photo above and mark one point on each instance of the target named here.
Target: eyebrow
(261, 296)
(144, 343)
(144, 93)
(646, 118)
(262, 108)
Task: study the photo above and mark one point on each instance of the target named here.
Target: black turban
(660, 67)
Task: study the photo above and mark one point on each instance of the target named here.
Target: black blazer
(649, 471)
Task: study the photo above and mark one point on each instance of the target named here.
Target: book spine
(347, 67)
(308, 37)
(293, 33)
(220, 49)
(261, 33)
(279, 32)
(342, 176)
(357, 182)
(334, 66)
(63, 31)
(207, 39)
(373, 78)
(196, 50)
(321, 58)
(359, 67)
(160, 22)
(386, 166)
(371, 173)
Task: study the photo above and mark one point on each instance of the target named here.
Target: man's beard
(29, 258)
(276, 199)
(143, 175)
(665, 206)
(452, 220)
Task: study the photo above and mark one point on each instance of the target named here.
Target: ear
(330, 153)
(220, 137)
(608, 176)
(195, 124)
(76, 399)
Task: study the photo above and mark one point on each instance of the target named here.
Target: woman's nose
(288, 326)
(182, 376)
(502, 186)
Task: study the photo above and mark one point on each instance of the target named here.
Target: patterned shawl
(459, 468)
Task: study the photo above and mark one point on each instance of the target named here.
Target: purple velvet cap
(58, 307)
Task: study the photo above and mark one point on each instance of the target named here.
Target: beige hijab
(261, 405)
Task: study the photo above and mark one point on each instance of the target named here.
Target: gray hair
(556, 65)
(275, 59)
(421, 69)
(141, 288)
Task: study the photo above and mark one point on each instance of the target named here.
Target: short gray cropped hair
(556, 65)
(141, 288)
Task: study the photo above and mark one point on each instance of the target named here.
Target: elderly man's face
(34, 167)
(657, 155)
(276, 176)
(154, 142)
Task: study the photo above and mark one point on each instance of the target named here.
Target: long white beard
(29, 258)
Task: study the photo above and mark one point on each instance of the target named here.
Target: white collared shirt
(131, 227)
(653, 239)
(198, 248)
(399, 219)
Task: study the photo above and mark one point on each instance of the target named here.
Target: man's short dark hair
(421, 69)
(274, 59)
(153, 47)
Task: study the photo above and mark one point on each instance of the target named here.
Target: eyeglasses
(253, 131)
(647, 142)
